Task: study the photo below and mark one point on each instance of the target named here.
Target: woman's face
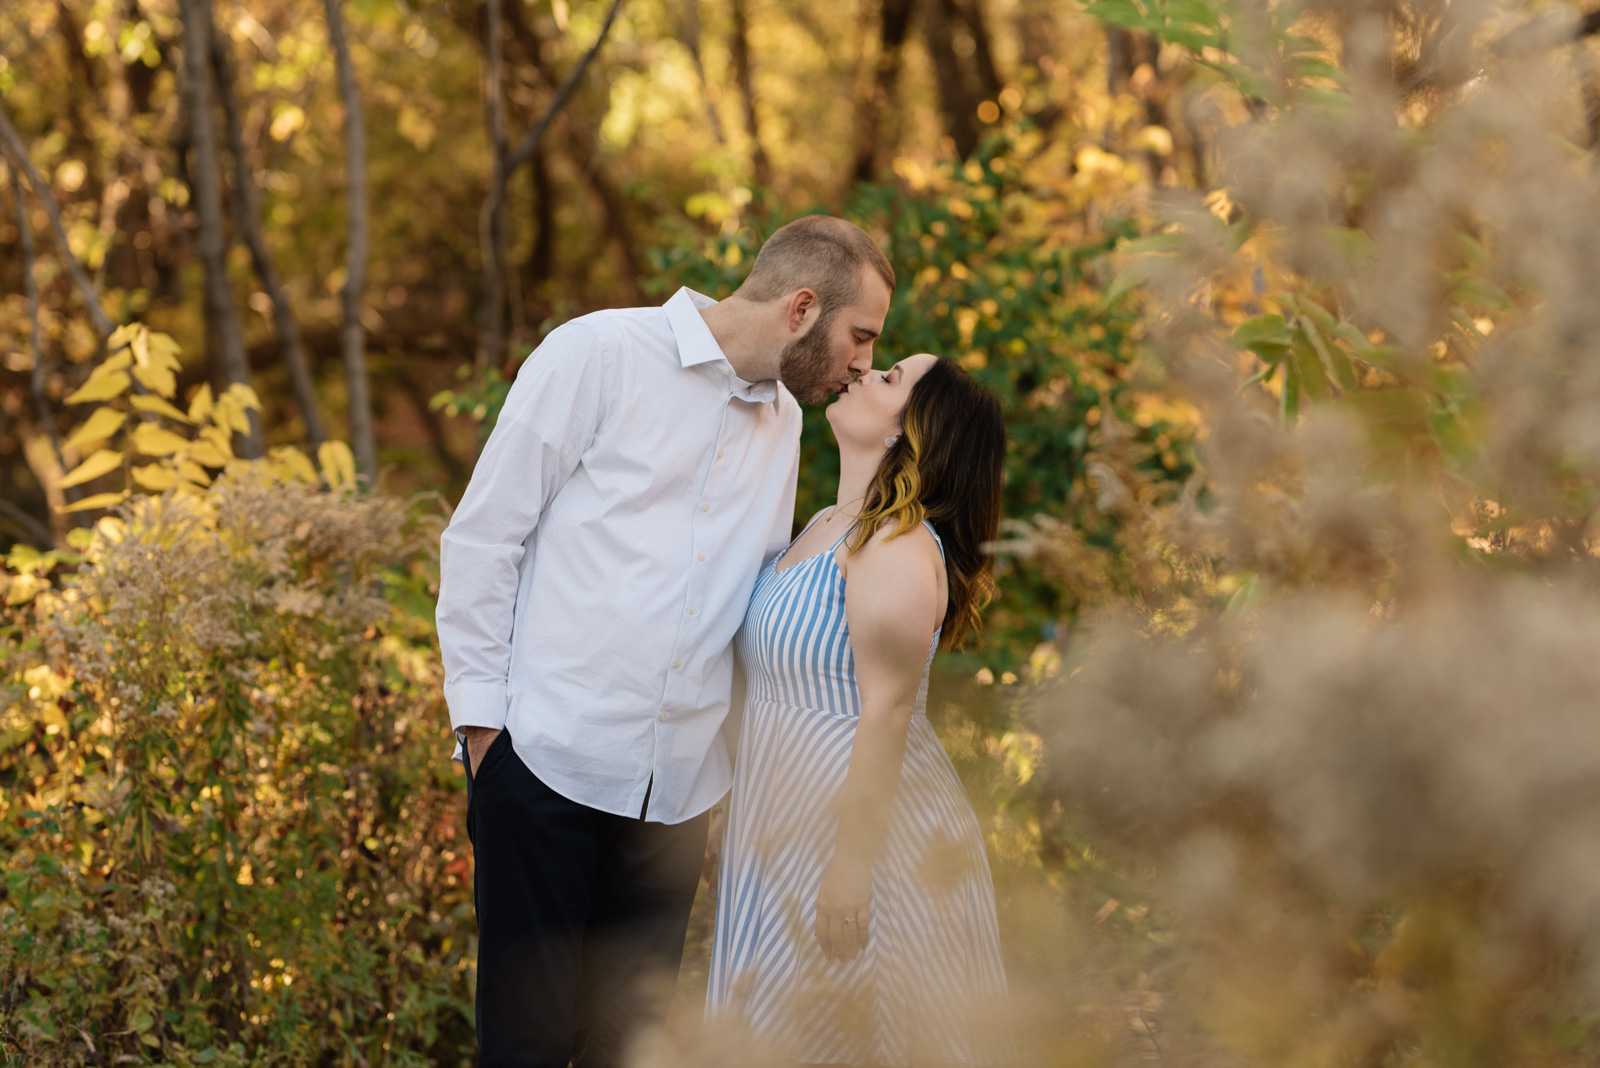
(868, 412)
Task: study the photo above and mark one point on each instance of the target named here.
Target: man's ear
(802, 311)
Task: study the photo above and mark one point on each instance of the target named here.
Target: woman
(856, 920)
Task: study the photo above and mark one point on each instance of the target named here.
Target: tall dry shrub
(228, 832)
(1345, 733)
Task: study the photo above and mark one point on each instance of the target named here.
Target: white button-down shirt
(595, 573)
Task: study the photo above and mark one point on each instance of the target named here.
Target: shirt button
(727, 370)
(702, 558)
(706, 507)
(677, 664)
(691, 610)
(719, 454)
(662, 717)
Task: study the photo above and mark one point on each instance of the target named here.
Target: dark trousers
(578, 911)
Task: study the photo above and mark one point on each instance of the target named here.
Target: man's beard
(806, 364)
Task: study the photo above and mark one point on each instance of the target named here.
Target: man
(592, 580)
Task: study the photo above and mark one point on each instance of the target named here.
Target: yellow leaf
(226, 414)
(102, 385)
(204, 452)
(23, 588)
(140, 344)
(244, 396)
(121, 336)
(96, 465)
(200, 407)
(98, 427)
(220, 439)
(120, 361)
(146, 403)
(157, 379)
(99, 500)
(291, 464)
(154, 440)
(155, 477)
(190, 471)
(164, 351)
(338, 464)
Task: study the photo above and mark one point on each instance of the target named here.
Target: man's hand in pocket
(479, 739)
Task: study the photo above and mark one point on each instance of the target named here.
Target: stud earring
(889, 441)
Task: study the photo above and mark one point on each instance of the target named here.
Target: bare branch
(740, 46)
(491, 343)
(30, 527)
(525, 148)
(19, 156)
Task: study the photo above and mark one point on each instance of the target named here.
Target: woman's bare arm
(894, 594)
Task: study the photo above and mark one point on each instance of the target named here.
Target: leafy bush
(228, 832)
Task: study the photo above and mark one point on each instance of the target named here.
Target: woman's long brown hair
(946, 467)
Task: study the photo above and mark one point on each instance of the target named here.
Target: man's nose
(861, 362)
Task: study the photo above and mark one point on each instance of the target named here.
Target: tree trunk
(222, 316)
(579, 135)
(615, 205)
(691, 41)
(491, 222)
(247, 222)
(740, 46)
(352, 333)
(541, 259)
(1589, 84)
(971, 14)
(491, 344)
(957, 103)
(875, 109)
(41, 404)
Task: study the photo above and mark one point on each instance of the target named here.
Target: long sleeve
(550, 418)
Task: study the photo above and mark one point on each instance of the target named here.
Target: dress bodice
(795, 643)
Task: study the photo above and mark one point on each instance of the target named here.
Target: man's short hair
(817, 252)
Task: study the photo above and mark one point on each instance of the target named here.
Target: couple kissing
(639, 658)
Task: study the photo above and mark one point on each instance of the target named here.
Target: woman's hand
(843, 907)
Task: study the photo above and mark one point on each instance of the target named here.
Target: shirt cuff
(476, 704)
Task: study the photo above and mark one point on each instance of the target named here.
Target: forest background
(1282, 734)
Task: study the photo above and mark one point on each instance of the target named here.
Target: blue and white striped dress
(932, 967)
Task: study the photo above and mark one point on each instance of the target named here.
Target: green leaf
(1268, 336)
(1312, 67)
(1289, 403)
(1333, 361)
(1169, 242)
(1131, 277)
(1480, 291)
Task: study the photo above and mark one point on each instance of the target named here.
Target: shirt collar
(696, 345)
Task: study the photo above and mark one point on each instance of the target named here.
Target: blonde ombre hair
(946, 467)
